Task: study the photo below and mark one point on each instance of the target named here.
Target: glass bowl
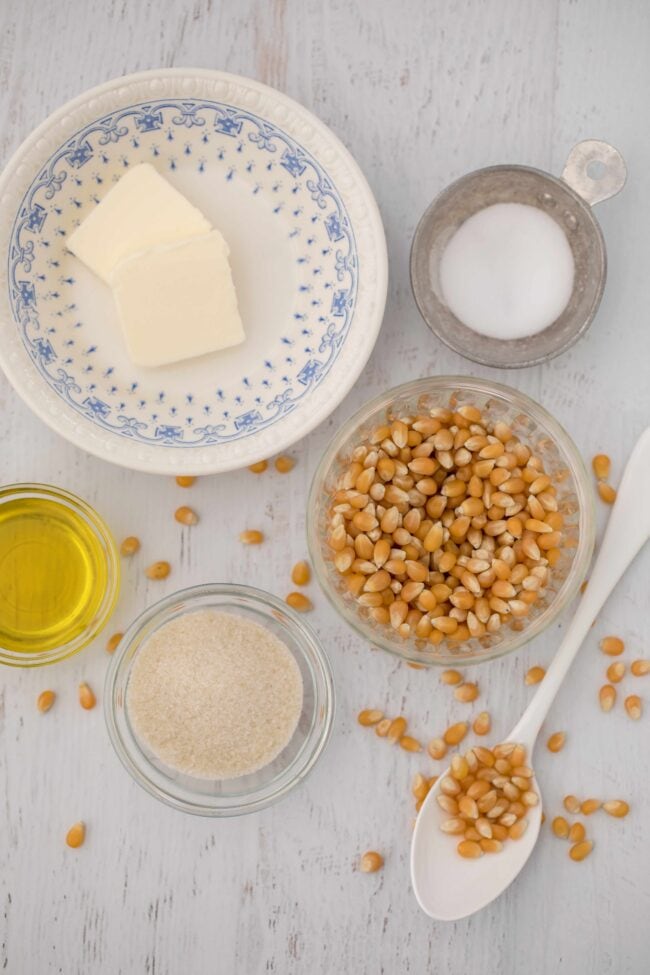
(106, 551)
(248, 793)
(535, 427)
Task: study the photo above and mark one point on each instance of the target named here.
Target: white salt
(507, 272)
(214, 695)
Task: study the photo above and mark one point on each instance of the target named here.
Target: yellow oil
(53, 574)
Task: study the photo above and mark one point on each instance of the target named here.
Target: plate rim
(163, 460)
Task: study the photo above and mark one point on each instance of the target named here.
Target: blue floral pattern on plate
(243, 146)
(307, 250)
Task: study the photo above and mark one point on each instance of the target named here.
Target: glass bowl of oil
(59, 574)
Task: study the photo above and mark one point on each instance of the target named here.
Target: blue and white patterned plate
(307, 251)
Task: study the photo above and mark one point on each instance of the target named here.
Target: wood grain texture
(420, 93)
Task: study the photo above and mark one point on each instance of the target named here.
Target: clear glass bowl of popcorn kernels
(531, 424)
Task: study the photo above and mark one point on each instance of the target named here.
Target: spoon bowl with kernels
(480, 821)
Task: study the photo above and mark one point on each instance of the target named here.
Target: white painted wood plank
(420, 93)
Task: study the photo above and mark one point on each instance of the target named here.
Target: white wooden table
(421, 92)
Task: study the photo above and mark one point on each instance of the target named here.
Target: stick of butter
(177, 301)
(142, 210)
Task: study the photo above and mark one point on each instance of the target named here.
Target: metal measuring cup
(594, 171)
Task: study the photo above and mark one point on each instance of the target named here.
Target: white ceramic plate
(308, 255)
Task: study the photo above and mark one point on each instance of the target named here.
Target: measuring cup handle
(595, 170)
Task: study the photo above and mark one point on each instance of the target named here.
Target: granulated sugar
(215, 695)
(508, 271)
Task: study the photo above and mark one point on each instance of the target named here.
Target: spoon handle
(627, 530)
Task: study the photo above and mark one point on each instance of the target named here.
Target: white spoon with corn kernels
(446, 885)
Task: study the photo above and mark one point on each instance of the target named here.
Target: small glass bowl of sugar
(219, 700)
(508, 264)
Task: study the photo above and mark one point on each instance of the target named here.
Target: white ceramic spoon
(447, 886)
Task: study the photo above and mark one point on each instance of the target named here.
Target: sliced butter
(178, 301)
(141, 211)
